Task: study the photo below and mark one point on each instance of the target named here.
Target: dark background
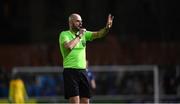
(144, 31)
(31, 21)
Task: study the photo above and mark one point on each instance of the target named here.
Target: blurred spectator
(91, 76)
(136, 84)
(46, 84)
(3, 83)
(17, 90)
(170, 80)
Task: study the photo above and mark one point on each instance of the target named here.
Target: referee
(73, 49)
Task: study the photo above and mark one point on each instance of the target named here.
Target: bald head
(74, 16)
(75, 22)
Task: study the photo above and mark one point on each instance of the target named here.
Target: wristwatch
(78, 36)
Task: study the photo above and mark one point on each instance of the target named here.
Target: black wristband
(78, 36)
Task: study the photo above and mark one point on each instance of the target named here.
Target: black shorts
(76, 83)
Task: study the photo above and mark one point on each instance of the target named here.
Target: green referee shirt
(76, 58)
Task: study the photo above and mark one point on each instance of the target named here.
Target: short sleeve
(63, 38)
(88, 36)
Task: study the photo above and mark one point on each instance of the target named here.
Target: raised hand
(80, 33)
(109, 21)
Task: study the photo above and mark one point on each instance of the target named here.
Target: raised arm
(102, 32)
(70, 45)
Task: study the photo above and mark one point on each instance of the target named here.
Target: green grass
(30, 101)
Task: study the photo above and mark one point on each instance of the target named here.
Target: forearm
(101, 33)
(70, 45)
(93, 84)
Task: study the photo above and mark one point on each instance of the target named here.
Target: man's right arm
(71, 44)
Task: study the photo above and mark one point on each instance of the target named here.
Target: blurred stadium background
(137, 62)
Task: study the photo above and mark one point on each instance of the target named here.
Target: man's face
(76, 22)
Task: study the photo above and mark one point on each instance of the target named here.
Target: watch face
(77, 34)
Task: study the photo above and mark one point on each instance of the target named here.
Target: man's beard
(76, 28)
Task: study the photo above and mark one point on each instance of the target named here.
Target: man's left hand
(109, 21)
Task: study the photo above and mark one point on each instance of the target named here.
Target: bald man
(72, 44)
